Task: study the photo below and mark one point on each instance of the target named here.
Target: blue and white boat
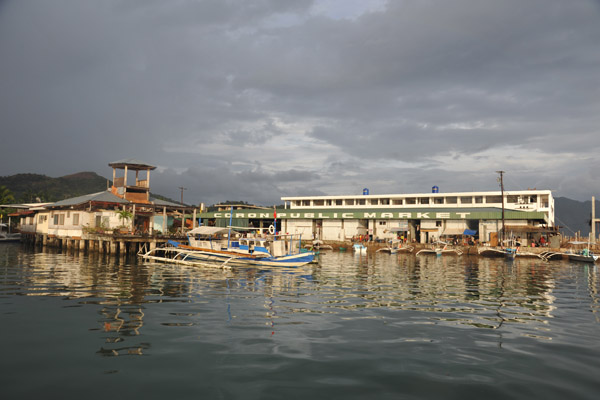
(208, 244)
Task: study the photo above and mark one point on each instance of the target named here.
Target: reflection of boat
(208, 244)
(440, 250)
(6, 236)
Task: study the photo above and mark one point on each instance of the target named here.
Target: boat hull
(583, 258)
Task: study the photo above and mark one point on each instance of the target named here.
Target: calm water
(378, 327)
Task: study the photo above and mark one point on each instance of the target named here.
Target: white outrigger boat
(394, 246)
(7, 236)
(440, 250)
(208, 244)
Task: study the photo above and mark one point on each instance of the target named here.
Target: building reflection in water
(471, 291)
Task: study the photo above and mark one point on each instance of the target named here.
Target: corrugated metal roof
(160, 202)
(103, 197)
(131, 164)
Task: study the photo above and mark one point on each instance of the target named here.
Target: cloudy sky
(258, 99)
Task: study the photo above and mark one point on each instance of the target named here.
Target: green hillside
(28, 188)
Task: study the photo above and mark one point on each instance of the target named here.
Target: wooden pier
(114, 244)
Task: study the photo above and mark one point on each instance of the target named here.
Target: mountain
(27, 188)
(574, 216)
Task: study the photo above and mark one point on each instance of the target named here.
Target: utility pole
(594, 220)
(501, 180)
(182, 189)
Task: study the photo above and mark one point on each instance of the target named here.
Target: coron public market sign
(345, 215)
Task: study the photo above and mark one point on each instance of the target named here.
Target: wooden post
(164, 224)
(133, 220)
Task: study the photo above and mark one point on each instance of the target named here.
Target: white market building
(420, 217)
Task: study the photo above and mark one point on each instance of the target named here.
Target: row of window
(510, 199)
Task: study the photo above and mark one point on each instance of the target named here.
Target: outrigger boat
(7, 236)
(359, 248)
(214, 245)
(582, 255)
(394, 246)
(438, 250)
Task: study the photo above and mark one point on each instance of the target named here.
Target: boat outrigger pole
(230, 223)
(502, 194)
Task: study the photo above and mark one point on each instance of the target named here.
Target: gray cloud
(257, 99)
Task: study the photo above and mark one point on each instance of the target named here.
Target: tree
(124, 215)
(6, 197)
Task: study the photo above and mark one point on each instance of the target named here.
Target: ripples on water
(382, 326)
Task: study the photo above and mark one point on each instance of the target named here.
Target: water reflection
(517, 298)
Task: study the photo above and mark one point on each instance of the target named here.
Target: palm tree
(124, 215)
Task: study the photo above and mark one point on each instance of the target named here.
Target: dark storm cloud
(257, 99)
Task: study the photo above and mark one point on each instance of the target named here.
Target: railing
(119, 182)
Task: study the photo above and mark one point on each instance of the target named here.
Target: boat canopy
(208, 230)
(469, 232)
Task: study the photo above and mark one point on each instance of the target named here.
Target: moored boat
(582, 255)
(440, 250)
(209, 245)
(7, 236)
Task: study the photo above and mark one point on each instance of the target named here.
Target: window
(76, 219)
(382, 223)
(374, 202)
(438, 200)
(478, 199)
(306, 202)
(318, 202)
(424, 200)
(385, 202)
(493, 199)
(61, 219)
(451, 200)
(349, 202)
(55, 219)
(361, 202)
(466, 200)
(411, 200)
(338, 202)
(397, 202)
(438, 223)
